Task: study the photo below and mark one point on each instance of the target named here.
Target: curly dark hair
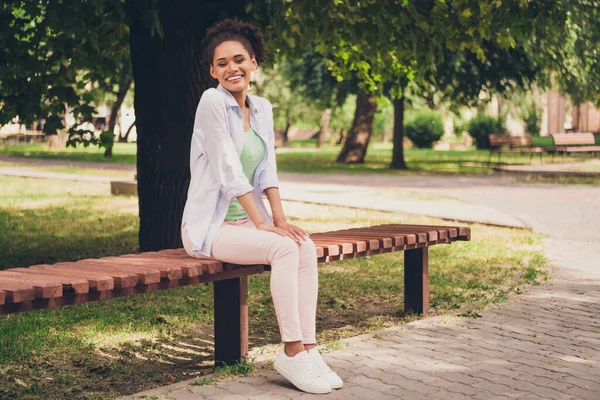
(232, 29)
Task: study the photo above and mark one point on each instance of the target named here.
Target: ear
(254, 63)
(212, 72)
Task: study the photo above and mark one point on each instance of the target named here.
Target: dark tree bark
(125, 80)
(398, 149)
(288, 124)
(169, 79)
(355, 147)
(125, 138)
(323, 135)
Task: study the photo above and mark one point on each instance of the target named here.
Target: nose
(231, 66)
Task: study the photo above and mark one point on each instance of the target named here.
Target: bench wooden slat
(580, 149)
(41, 290)
(372, 244)
(344, 246)
(97, 281)
(435, 233)
(165, 270)
(178, 257)
(422, 235)
(456, 232)
(384, 241)
(15, 293)
(121, 279)
(412, 236)
(407, 238)
(76, 284)
(141, 275)
(584, 138)
(189, 267)
(358, 245)
(327, 247)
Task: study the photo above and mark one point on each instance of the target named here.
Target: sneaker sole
(335, 386)
(296, 383)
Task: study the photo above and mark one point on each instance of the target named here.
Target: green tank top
(252, 154)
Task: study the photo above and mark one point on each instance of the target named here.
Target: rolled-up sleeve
(268, 177)
(223, 160)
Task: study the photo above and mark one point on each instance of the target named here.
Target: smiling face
(232, 66)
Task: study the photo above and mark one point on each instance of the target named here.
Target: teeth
(234, 78)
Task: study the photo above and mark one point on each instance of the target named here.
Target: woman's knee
(285, 247)
(308, 249)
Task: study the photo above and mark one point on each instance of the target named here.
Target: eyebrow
(237, 55)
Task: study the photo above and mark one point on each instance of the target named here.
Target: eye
(222, 65)
(240, 60)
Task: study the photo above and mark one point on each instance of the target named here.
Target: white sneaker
(323, 369)
(300, 370)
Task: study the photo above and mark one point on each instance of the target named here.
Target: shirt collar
(230, 100)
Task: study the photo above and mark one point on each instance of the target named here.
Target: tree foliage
(52, 53)
(568, 48)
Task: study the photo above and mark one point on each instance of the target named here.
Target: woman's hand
(296, 233)
(282, 232)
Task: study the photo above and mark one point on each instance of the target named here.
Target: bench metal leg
(231, 320)
(416, 280)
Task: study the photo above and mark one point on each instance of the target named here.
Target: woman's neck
(240, 98)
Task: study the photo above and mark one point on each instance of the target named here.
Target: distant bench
(513, 144)
(566, 143)
(563, 143)
(22, 137)
(50, 286)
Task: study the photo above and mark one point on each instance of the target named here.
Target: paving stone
(207, 390)
(185, 395)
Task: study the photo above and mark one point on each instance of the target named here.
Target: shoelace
(310, 367)
(321, 365)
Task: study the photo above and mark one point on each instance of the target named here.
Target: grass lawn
(121, 346)
(73, 170)
(123, 153)
(308, 159)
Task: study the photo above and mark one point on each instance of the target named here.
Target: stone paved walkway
(543, 344)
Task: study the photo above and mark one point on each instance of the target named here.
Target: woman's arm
(247, 201)
(212, 132)
(279, 219)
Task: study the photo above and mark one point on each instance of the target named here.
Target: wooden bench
(565, 143)
(513, 144)
(23, 137)
(49, 286)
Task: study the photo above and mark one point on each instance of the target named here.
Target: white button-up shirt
(216, 171)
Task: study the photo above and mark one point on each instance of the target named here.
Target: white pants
(294, 275)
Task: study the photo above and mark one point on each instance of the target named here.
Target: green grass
(120, 346)
(73, 170)
(123, 153)
(303, 157)
(379, 157)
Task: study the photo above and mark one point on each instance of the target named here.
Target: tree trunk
(125, 138)
(323, 136)
(286, 132)
(169, 79)
(357, 140)
(398, 150)
(124, 85)
(575, 121)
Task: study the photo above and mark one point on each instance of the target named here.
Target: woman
(232, 165)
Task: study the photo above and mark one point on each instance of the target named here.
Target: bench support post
(231, 320)
(416, 280)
